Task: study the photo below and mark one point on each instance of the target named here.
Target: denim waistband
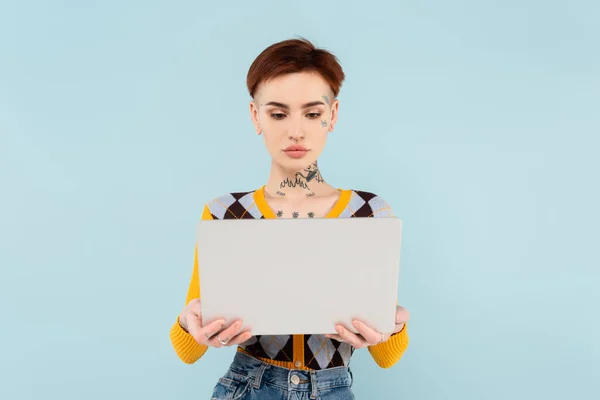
(259, 372)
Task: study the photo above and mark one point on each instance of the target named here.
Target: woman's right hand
(190, 319)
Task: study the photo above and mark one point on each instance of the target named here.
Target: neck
(298, 184)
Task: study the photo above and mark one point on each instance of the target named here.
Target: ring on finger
(223, 342)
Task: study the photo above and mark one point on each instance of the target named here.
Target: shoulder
(233, 205)
(368, 204)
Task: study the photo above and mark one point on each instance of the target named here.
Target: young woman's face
(294, 113)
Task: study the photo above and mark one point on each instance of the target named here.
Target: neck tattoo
(302, 179)
(312, 173)
(297, 182)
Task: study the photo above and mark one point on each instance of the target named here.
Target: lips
(295, 151)
(295, 148)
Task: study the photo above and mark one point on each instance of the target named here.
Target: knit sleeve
(187, 349)
(388, 353)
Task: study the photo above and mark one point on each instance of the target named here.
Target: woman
(294, 88)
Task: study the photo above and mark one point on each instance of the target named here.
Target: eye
(313, 115)
(278, 116)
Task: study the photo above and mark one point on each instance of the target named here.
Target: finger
(369, 334)
(350, 337)
(399, 328)
(239, 339)
(194, 301)
(231, 331)
(335, 337)
(193, 313)
(226, 335)
(194, 324)
(402, 315)
(196, 308)
(204, 334)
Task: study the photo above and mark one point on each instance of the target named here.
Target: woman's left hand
(368, 336)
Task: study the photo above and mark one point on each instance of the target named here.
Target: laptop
(300, 276)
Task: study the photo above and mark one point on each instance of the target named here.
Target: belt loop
(259, 375)
(313, 383)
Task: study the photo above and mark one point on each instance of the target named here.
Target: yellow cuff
(186, 347)
(388, 353)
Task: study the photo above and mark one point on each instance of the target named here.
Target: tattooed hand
(368, 336)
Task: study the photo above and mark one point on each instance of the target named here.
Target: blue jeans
(249, 378)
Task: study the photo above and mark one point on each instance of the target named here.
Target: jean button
(295, 379)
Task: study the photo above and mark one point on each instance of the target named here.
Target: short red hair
(294, 55)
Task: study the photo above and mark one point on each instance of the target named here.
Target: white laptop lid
(300, 276)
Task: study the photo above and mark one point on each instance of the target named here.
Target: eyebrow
(282, 105)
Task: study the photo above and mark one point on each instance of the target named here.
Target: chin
(297, 164)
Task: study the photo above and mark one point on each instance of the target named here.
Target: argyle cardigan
(307, 352)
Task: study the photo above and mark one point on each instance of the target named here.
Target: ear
(254, 116)
(334, 114)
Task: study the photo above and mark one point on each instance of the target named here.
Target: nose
(296, 132)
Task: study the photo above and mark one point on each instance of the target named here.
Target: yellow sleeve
(187, 349)
(388, 353)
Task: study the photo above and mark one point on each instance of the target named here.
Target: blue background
(478, 121)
